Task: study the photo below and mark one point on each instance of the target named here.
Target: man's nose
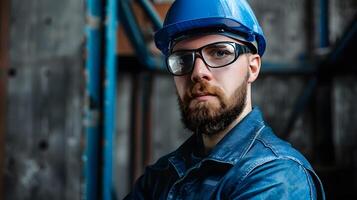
(200, 71)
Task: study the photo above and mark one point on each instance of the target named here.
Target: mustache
(201, 88)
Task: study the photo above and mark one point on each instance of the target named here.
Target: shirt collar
(235, 144)
(232, 147)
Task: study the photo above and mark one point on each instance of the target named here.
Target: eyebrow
(214, 44)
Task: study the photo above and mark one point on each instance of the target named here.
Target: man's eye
(219, 53)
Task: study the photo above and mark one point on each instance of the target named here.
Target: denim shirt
(250, 162)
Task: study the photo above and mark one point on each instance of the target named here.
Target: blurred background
(86, 103)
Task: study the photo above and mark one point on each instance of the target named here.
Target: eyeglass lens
(219, 54)
(214, 55)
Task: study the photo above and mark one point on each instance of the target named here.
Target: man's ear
(254, 67)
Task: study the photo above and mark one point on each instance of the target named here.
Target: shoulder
(279, 178)
(273, 169)
(268, 149)
(269, 144)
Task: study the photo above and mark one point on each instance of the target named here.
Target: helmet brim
(165, 36)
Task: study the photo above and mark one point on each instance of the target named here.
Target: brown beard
(210, 118)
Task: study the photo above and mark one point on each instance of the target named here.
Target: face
(212, 98)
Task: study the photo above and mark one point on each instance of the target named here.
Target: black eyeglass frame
(239, 49)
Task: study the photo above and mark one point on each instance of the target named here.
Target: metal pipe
(109, 99)
(151, 13)
(323, 138)
(136, 38)
(300, 106)
(298, 68)
(93, 103)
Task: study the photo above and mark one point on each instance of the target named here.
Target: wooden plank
(124, 46)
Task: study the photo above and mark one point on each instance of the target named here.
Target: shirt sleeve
(277, 179)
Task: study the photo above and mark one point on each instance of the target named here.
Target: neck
(211, 141)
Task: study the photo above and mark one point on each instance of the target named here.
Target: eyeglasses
(214, 55)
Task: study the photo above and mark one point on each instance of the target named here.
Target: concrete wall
(44, 107)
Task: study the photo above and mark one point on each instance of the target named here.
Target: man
(214, 48)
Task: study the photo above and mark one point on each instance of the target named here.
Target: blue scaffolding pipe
(135, 36)
(288, 68)
(109, 99)
(300, 106)
(93, 105)
(151, 13)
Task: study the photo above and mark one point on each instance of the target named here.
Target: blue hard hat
(197, 16)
